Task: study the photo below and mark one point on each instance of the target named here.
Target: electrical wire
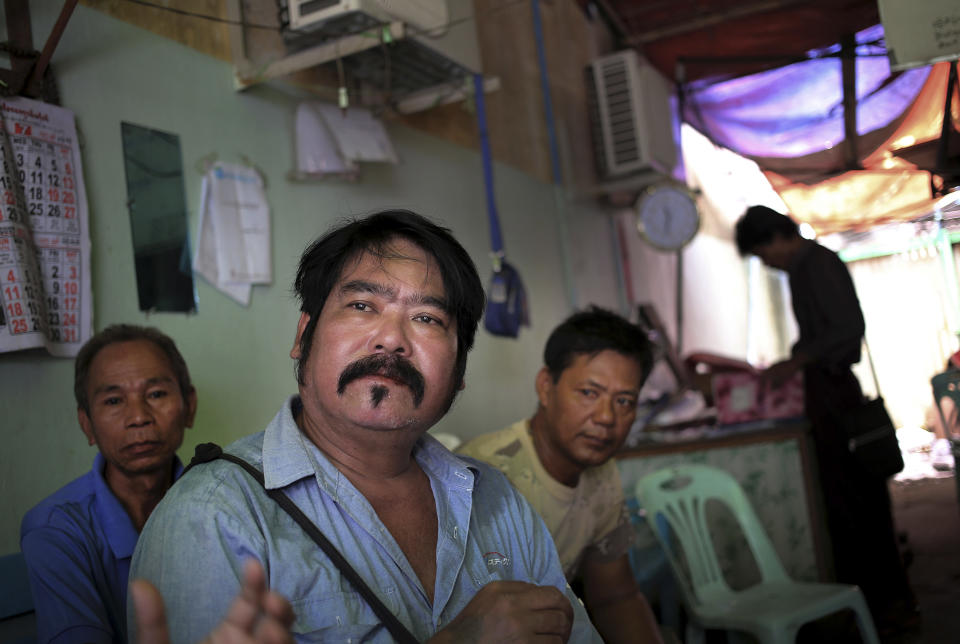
(204, 16)
(430, 32)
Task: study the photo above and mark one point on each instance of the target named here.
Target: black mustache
(388, 366)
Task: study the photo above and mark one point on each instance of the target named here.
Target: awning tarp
(790, 122)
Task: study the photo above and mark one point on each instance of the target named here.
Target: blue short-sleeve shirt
(77, 544)
(195, 543)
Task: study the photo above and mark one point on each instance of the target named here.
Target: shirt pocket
(484, 565)
(337, 617)
(343, 635)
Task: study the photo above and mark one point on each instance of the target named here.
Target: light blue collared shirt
(195, 542)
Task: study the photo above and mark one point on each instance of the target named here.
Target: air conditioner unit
(423, 15)
(439, 46)
(631, 118)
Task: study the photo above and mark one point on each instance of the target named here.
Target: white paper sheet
(317, 151)
(360, 136)
(233, 242)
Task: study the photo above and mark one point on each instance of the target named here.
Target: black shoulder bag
(207, 452)
(871, 436)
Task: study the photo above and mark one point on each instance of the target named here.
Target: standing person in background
(831, 327)
(561, 460)
(134, 402)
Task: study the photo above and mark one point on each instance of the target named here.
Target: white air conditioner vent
(439, 46)
(422, 15)
(630, 116)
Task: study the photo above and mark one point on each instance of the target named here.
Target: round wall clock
(667, 215)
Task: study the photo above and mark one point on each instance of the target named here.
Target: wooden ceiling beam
(19, 41)
(32, 87)
(707, 20)
(613, 17)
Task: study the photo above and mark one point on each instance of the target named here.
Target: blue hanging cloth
(506, 303)
(506, 298)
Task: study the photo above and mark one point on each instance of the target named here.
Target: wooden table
(774, 463)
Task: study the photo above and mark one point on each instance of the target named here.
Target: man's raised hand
(256, 616)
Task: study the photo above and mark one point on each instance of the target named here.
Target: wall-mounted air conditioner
(631, 118)
(422, 14)
(439, 44)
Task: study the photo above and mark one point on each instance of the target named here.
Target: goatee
(393, 367)
(377, 394)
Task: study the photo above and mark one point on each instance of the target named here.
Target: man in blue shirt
(134, 401)
(390, 306)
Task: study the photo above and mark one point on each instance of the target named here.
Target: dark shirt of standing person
(831, 327)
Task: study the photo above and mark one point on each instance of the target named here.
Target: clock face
(667, 216)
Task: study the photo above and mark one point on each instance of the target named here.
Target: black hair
(126, 333)
(759, 225)
(592, 331)
(323, 262)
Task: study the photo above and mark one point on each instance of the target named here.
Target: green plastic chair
(773, 610)
(947, 385)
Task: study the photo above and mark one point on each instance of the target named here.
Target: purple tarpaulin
(797, 110)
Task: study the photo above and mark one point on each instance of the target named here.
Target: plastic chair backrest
(947, 385)
(679, 494)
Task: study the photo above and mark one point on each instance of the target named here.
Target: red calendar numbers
(44, 253)
(14, 307)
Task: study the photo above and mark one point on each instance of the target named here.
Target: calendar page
(45, 293)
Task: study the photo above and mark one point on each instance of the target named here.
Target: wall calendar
(45, 291)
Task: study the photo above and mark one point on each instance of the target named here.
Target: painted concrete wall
(108, 72)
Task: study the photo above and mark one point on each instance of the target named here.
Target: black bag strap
(873, 368)
(206, 452)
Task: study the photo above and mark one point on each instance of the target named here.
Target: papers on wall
(233, 243)
(331, 141)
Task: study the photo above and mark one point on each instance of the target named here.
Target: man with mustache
(134, 400)
(389, 309)
(595, 363)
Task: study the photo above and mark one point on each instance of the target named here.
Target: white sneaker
(941, 456)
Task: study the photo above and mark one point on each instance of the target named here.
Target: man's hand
(512, 611)
(255, 616)
(777, 374)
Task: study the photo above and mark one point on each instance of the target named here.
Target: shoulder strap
(207, 452)
(873, 369)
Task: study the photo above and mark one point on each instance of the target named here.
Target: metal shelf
(418, 77)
